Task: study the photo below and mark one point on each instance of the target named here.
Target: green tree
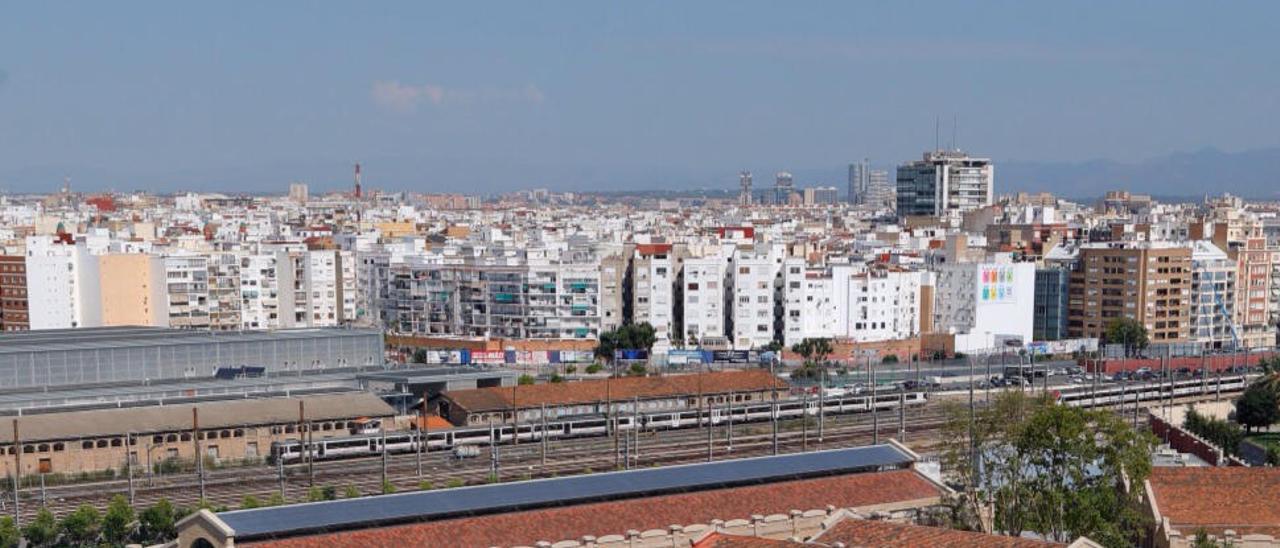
(420, 355)
(1258, 407)
(638, 369)
(250, 501)
(1128, 332)
(276, 499)
(43, 530)
(156, 524)
(639, 336)
(81, 527)
(9, 534)
(556, 379)
(350, 492)
(525, 380)
(1226, 435)
(814, 351)
(118, 523)
(1049, 469)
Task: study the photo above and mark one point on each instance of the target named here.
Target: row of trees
(85, 526)
(1054, 470)
(1224, 434)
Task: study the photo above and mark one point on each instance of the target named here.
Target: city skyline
(576, 97)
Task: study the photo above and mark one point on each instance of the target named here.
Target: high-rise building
(826, 195)
(744, 183)
(944, 182)
(880, 191)
(859, 181)
(298, 192)
(783, 186)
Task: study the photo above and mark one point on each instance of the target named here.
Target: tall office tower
(782, 187)
(859, 181)
(298, 192)
(744, 181)
(880, 192)
(944, 182)
(359, 192)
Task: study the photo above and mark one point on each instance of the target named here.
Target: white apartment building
(809, 311)
(1213, 296)
(260, 292)
(653, 277)
(62, 285)
(983, 304)
(705, 298)
(187, 281)
(852, 303)
(881, 305)
(328, 288)
(757, 282)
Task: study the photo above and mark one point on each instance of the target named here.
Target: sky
(483, 97)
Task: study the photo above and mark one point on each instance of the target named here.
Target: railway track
(229, 487)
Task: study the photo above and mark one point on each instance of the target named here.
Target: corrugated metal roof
(48, 340)
(298, 519)
(623, 388)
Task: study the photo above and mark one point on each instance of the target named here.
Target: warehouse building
(239, 430)
(87, 356)
(621, 395)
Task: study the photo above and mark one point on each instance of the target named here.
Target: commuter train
(1115, 394)
(292, 451)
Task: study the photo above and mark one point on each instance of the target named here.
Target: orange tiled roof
(721, 540)
(615, 518)
(1246, 500)
(863, 532)
(623, 388)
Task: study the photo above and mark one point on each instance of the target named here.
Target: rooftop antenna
(954, 146)
(937, 133)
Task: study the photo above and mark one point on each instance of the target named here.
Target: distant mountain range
(1250, 174)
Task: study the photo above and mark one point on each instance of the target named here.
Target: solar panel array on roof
(318, 517)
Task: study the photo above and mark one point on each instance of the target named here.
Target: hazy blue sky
(482, 96)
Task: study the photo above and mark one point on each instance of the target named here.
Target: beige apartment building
(133, 290)
(1146, 281)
